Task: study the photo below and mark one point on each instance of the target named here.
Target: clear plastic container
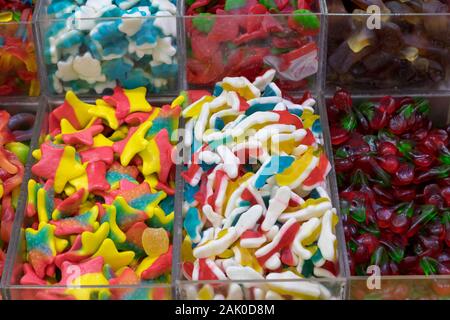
(332, 288)
(18, 64)
(230, 45)
(408, 286)
(400, 46)
(90, 56)
(14, 107)
(17, 251)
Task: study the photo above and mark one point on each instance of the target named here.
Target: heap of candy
(243, 38)
(18, 68)
(102, 200)
(407, 49)
(98, 44)
(16, 5)
(15, 134)
(255, 206)
(393, 170)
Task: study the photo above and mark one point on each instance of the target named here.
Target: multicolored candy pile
(393, 170)
(18, 67)
(94, 45)
(102, 200)
(405, 47)
(255, 204)
(246, 38)
(15, 135)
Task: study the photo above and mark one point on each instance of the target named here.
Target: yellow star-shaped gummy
(136, 143)
(137, 100)
(91, 241)
(104, 111)
(101, 141)
(113, 257)
(69, 168)
(150, 158)
(81, 109)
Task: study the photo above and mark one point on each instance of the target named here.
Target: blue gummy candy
(277, 164)
(192, 223)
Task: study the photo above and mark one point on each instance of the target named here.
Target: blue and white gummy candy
(95, 45)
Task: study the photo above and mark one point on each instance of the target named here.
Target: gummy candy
(129, 44)
(92, 204)
(243, 38)
(392, 170)
(14, 149)
(255, 203)
(404, 52)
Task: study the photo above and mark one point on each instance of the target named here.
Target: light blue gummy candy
(276, 164)
(260, 107)
(111, 12)
(192, 223)
(62, 6)
(136, 78)
(164, 70)
(117, 68)
(106, 32)
(271, 90)
(217, 90)
(189, 192)
(69, 40)
(147, 34)
(118, 48)
(125, 4)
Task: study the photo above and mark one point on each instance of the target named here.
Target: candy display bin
(230, 43)
(90, 56)
(403, 287)
(14, 269)
(399, 47)
(29, 105)
(18, 65)
(331, 288)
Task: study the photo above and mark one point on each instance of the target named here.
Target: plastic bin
(402, 46)
(18, 65)
(90, 56)
(335, 288)
(14, 107)
(404, 286)
(17, 251)
(234, 44)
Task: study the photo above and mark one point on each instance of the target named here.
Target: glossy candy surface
(393, 169)
(246, 38)
(255, 204)
(101, 200)
(406, 47)
(18, 66)
(15, 135)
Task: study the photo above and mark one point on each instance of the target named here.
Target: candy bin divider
(12, 105)
(182, 45)
(439, 111)
(332, 189)
(43, 79)
(341, 280)
(442, 88)
(14, 291)
(322, 43)
(43, 21)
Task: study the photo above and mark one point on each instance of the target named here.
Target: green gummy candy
(234, 4)
(306, 18)
(204, 22)
(20, 150)
(269, 4)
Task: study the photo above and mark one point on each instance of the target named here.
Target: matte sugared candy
(407, 50)
(94, 205)
(247, 38)
(255, 203)
(105, 44)
(392, 167)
